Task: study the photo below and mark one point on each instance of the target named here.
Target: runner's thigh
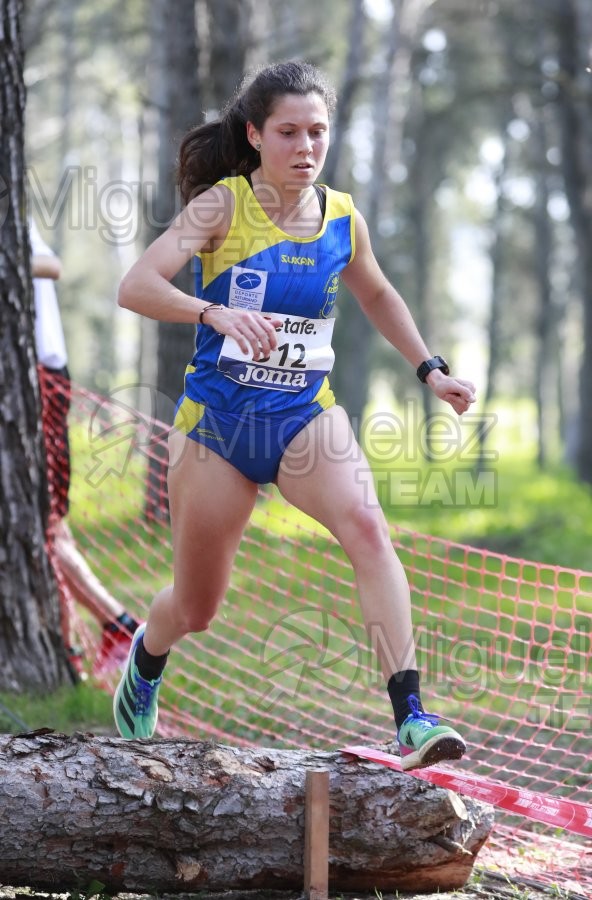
(210, 503)
(325, 473)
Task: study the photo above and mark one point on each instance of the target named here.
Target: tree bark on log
(179, 815)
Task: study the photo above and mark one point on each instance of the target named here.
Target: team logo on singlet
(248, 281)
(330, 295)
(247, 288)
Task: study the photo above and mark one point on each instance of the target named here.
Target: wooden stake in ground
(316, 836)
(177, 816)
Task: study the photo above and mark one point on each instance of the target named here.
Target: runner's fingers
(459, 403)
(262, 349)
(463, 393)
(261, 335)
(269, 342)
(256, 342)
(269, 338)
(470, 388)
(243, 336)
(274, 322)
(254, 333)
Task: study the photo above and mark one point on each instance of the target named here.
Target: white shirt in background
(49, 334)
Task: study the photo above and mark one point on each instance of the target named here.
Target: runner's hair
(219, 148)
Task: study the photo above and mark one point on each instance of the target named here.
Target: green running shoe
(422, 742)
(135, 704)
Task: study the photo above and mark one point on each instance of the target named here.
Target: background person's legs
(87, 589)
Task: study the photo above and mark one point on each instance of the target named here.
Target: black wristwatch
(436, 362)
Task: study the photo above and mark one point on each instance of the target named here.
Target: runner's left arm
(389, 313)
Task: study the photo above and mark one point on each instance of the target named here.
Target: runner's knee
(365, 533)
(196, 613)
(199, 619)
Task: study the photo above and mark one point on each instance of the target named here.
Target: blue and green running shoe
(135, 704)
(423, 742)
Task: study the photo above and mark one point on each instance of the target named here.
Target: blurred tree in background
(464, 134)
(30, 639)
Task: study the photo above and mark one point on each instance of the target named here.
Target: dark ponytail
(220, 148)
(211, 151)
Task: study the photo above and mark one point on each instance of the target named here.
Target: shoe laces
(144, 692)
(421, 718)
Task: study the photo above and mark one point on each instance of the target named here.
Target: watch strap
(428, 365)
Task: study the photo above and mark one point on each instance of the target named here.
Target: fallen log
(179, 815)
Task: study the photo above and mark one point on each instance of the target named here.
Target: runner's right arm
(147, 288)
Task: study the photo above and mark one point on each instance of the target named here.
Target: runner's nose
(306, 145)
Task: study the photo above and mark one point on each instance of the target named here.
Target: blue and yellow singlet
(228, 397)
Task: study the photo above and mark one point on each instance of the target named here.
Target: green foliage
(538, 516)
(78, 708)
(95, 889)
(509, 506)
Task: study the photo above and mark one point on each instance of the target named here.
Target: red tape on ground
(568, 814)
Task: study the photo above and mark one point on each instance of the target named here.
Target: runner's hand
(459, 393)
(254, 332)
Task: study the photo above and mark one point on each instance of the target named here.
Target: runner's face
(294, 141)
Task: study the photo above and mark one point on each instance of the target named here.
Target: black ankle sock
(149, 667)
(128, 623)
(400, 687)
(124, 621)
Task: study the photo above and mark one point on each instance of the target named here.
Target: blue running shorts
(253, 440)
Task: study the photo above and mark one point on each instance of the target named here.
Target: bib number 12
(284, 351)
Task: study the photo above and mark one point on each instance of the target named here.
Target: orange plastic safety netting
(504, 644)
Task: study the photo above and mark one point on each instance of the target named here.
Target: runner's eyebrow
(295, 125)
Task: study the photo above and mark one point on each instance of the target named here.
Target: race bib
(303, 355)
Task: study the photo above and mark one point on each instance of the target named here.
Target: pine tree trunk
(349, 84)
(547, 325)
(354, 334)
(575, 106)
(31, 648)
(231, 39)
(175, 106)
(177, 99)
(183, 816)
(496, 303)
